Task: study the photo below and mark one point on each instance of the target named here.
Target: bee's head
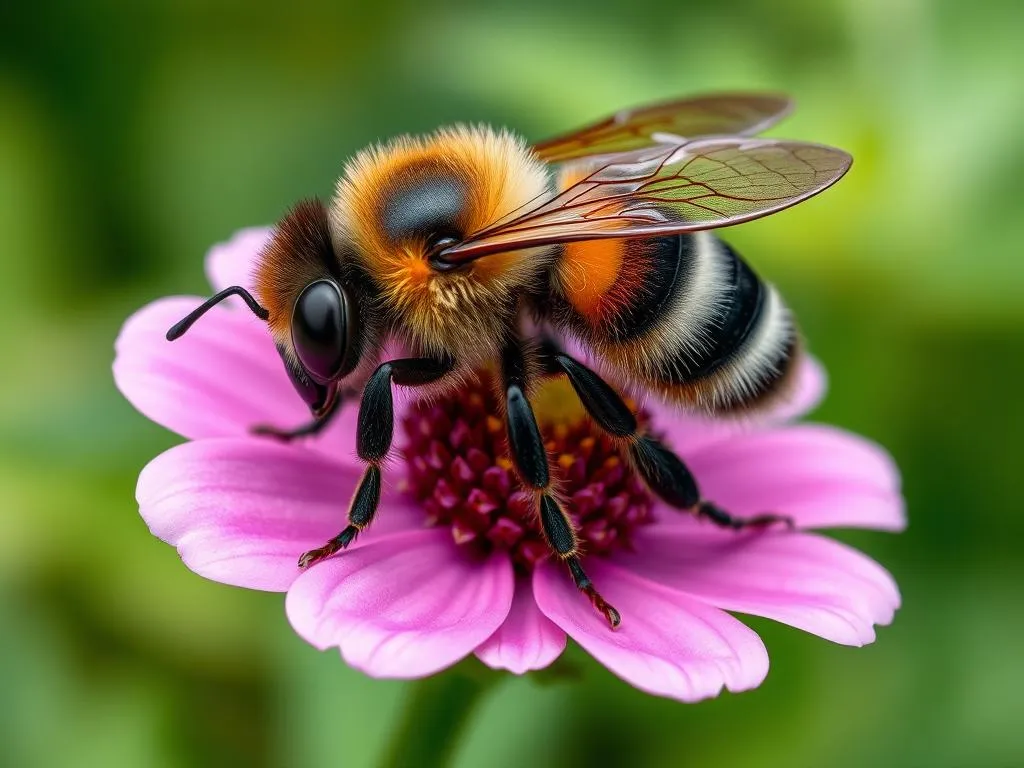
(314, 313)
(308, 304)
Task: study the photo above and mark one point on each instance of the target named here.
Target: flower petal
(801, 579)
(668, 644)
(526, 640)
(809, 391)
(406, 605)
(232, 262)
(689, 432)
(821, 476)
(220, 379)
(241, 511)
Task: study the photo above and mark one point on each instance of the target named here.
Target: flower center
(461, 473)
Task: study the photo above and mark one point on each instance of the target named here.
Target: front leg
(374, 434)
(314, 426)
(323, 401)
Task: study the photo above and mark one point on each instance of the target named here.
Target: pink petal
(526, 640)
(232, 262)
(241, 511)
(821, 476)
(690, 432)
(406, 605)
(811, 385)
(668, 644)
(220, 379)
(806, 581)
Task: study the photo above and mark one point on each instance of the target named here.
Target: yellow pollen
(493, 424)
(556, 404)
(566, 460)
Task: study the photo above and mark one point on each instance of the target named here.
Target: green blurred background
(134, 136)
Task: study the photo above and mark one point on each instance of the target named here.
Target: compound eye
(320, 329)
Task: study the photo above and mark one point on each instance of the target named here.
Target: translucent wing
(739, 114)
(664, 190)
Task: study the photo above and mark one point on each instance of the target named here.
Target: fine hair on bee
(453, 244)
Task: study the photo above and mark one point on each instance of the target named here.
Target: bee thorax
(454, 314)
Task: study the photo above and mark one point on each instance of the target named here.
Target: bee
(454, 243)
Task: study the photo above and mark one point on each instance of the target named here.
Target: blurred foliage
(132, 136)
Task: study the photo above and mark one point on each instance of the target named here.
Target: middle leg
(530, 458)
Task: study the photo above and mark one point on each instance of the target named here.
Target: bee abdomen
(686, 316)
(746, 341)
(727, 330)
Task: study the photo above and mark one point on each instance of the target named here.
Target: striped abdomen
(683, 315)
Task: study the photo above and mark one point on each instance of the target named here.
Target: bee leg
(723, 519)
(374, 433)
(313, 427)
(663, 471)
(531, 461)
(600, 400)
(667, 475)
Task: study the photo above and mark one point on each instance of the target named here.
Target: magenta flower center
(460, 472)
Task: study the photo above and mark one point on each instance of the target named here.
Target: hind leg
(661, 469)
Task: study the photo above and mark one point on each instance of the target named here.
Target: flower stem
(434, 715)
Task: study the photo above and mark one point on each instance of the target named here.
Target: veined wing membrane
(668, 189)
(738, 114)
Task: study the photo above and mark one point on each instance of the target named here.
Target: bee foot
(335, 545)
(720, 517)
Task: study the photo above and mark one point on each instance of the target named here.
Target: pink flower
(450, 568)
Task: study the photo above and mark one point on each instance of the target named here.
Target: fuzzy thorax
(394, 200)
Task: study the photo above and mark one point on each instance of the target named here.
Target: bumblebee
(455, 244)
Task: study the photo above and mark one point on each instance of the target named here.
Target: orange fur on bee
(494, 174)
(588, 271)
(596, 276)
(601, 278)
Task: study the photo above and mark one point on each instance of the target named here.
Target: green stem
(434, 714)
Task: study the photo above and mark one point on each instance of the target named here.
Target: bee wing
(736, 114)
(664, 190)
